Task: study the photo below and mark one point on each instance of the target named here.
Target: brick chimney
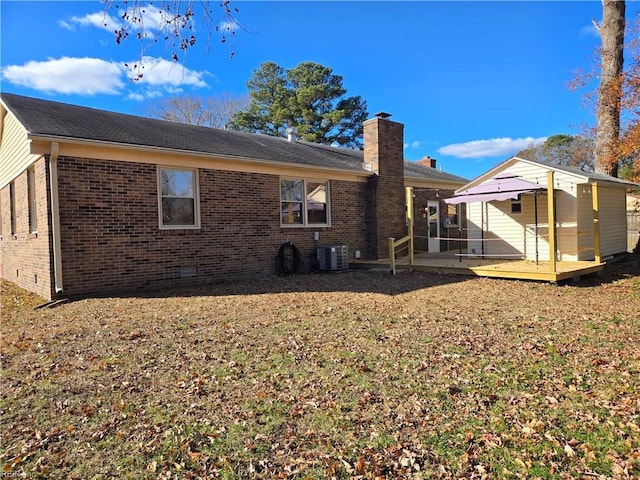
(428, 162)
(384, 155)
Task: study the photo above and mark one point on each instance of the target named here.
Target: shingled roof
(417, 170)
(590, 176)
(55, 120)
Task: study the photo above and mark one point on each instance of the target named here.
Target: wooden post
(535, 210)
(551, 217)
(596, 222)
(392, 255)
(409, 194)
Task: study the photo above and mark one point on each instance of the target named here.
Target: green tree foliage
(308, 97)
(563, 149)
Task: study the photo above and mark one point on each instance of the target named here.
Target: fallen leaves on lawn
(357, 376)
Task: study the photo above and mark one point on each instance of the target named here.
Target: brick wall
(383, 150)
(420, 228)
(25, 255)
(111, 240)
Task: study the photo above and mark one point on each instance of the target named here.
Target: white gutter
(55, 218)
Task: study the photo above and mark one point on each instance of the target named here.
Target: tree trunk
(609, 93)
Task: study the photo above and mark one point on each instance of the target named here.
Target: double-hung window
(453, 216)
(178, 192)
(304, 202)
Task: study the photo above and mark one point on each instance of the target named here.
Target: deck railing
(405, 243)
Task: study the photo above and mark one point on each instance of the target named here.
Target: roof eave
(162, 150)
(585, 178)
(412, 181)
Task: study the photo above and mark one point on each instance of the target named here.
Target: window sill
(170, 232)
(179, 227)
(316, 225)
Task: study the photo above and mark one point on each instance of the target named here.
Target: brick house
(94, 202)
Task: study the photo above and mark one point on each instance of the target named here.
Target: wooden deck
(483, 267)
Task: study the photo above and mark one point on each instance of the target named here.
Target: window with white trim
(516, 204)
(178, 195)
(452, 219)
(31, 197)
(304, 202)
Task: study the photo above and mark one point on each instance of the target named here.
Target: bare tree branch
(215, 112)
(172, 22)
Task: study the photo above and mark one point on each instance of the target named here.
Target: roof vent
(382, 115)
(292, 134)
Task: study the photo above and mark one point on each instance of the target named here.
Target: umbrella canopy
(501, 187)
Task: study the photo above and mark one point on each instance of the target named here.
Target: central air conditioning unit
(333, 257)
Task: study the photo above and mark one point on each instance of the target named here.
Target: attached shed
(580, 215)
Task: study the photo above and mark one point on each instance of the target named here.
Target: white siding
(566, 187)
(541, 246)
(508, 234)
(15, 154)
(586, 244)
(612, 208)
(474, 227)
(566, 224)
(505, 232)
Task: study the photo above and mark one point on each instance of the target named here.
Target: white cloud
(589, 31)
(229, 25)
(152, 18)
(495, 147)
(138, 97)
(91, 76)
(146, 17)
(84, 76)
(160, 72)
(414, 144)
(146, 94)
(99, 20)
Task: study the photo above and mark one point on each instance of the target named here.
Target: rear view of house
(93, 202)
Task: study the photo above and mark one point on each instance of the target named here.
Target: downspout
(55, 218)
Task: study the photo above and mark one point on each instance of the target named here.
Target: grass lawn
(352, 375)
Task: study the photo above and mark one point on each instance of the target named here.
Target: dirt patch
(352, 375)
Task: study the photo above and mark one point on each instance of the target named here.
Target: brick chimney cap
(382, 115)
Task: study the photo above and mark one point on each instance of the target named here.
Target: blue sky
(473, 82)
